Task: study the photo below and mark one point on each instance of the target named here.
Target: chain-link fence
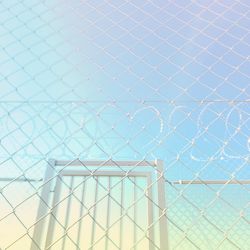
(92, 93)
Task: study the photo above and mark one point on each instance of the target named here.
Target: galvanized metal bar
(81, 214)
(135, 213)
(103, 173)
(54, 209)
(68, 211)
(94, 214)
(108, 163)
(43, 206)
(16, 179)
(121, 214)
(162, 206)
(150, 212)
(212, 182)
(108, 213)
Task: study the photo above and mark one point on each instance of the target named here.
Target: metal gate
(102, 205)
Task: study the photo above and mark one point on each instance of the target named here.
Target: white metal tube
(108, 163)
(54, 208)
(16, 179)
(135, 213)
(68, 211)
(108, 214)
(94, 214)
(81, 213)
(162, 206)
(211, 182)
(43, 207)
(121, 213)
(150, 213)
(103, 173)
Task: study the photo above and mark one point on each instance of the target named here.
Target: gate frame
(51, 174)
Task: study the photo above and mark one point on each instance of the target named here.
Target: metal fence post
(162, 205)
(43, 206)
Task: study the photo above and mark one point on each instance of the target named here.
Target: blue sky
(127, 80)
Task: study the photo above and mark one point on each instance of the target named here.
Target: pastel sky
(129, 79)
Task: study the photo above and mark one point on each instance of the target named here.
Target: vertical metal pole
(54, 208)
(135, 213)
(122, 208)
(68, 211)
(94, 215)
(81, 213)
(150, 213)
(108, 213)
(162, 205)
(43, 206)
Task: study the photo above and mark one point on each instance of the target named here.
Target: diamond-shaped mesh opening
(125, 81)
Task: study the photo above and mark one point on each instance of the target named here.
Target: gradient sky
(129, 80)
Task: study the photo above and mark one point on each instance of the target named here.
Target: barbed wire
(125, 80)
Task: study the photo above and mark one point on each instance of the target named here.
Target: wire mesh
(126, 80)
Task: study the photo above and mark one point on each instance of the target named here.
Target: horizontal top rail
(108, 163)
(105, 173)
(140, 101)
(117, 173)
(211, 182)
(19, 180)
